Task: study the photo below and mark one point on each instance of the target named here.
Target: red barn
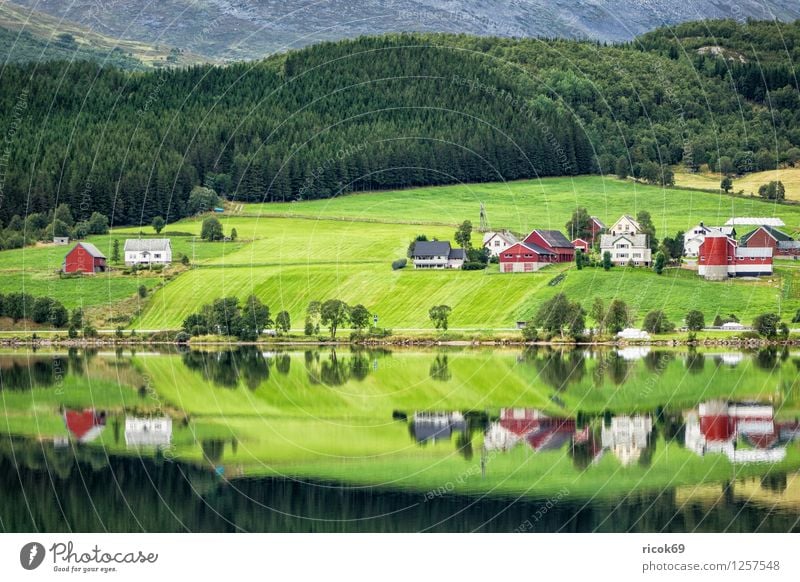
(719, 258)
(596, 227)
(525, 257)
(554, 242)
(767, 236)
(84, 258)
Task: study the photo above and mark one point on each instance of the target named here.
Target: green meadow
(292, 253)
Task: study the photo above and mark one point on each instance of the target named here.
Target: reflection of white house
(633, 353)
(694, 237)
(626, 243)
(154, 432)
(147, 251)
(627, 436)
(497, 242)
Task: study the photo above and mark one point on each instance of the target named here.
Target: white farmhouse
(148, 251)
(437, 255)
(694, 237)
(626, 243)
(497, 242)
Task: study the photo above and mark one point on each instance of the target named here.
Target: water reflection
(85, 425)
(148, 432)
(743, 432)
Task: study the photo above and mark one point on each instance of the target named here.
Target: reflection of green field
(286, 425)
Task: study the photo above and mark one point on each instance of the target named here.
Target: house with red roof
(581, 244)
(84, 258)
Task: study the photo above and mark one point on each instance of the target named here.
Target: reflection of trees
(583, 453)
(767, 358)
(440, 369)
(213, 450)
(33, 373)
(227, 368)
(647, 453)
(775, 482)
(334, 371)
(561, 368)
(283, 363)
(657, 361)
(610, 364)
(359, 364)
(695, 362)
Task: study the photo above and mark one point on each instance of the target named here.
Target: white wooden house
(497, 241)
(148, 251)
(626, 243)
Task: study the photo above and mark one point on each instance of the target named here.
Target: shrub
(766, 324)
(530, 333)
(142, 291)
(656, 322)
(399, 264)
(182, 337)
(695, 321)
(473, 266)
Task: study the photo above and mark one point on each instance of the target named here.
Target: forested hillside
(385, 112)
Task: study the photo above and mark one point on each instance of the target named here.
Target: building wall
(496, 245)
(762, 239)
(519, 259)
(622, 254)
(79, 260)
(563, 254)
(154, 257)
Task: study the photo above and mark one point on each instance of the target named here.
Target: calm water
(378, 440)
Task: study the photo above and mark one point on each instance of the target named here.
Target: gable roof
(555, 238)
(636, 240)
(771, 231)
(146, 244)
(431, 248)
(629, 218)
(505, 235)
(531, 247)
(597, 221)
(91, 249)
(457, 253)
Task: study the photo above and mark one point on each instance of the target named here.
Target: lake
(498, 440)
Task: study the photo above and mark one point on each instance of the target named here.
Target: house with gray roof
(148, 251)
(437, 255)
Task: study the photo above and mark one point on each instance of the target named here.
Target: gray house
(437, 255)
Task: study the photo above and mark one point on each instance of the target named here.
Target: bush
(695, 321)
(767, 324)
(656, 322)
(399, 264)
(182, 337)
(530, 333)
(473, 266)
(142, 291)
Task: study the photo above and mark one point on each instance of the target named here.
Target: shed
(84, 258)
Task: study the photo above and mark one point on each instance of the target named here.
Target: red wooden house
(767, 236)
(525, 257)
(553, 241)
(84, 258)
(579, 243)
(596, 227)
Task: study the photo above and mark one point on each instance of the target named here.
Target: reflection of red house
(540, 431)
(85, 425)
(84, 258)
(721, 423)
(553, 241)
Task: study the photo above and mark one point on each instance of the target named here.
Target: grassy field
(290, 254)
(748, 183)
(527, 204)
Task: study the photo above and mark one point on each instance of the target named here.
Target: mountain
(247, 29)
(396, 111)
(32, 36)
